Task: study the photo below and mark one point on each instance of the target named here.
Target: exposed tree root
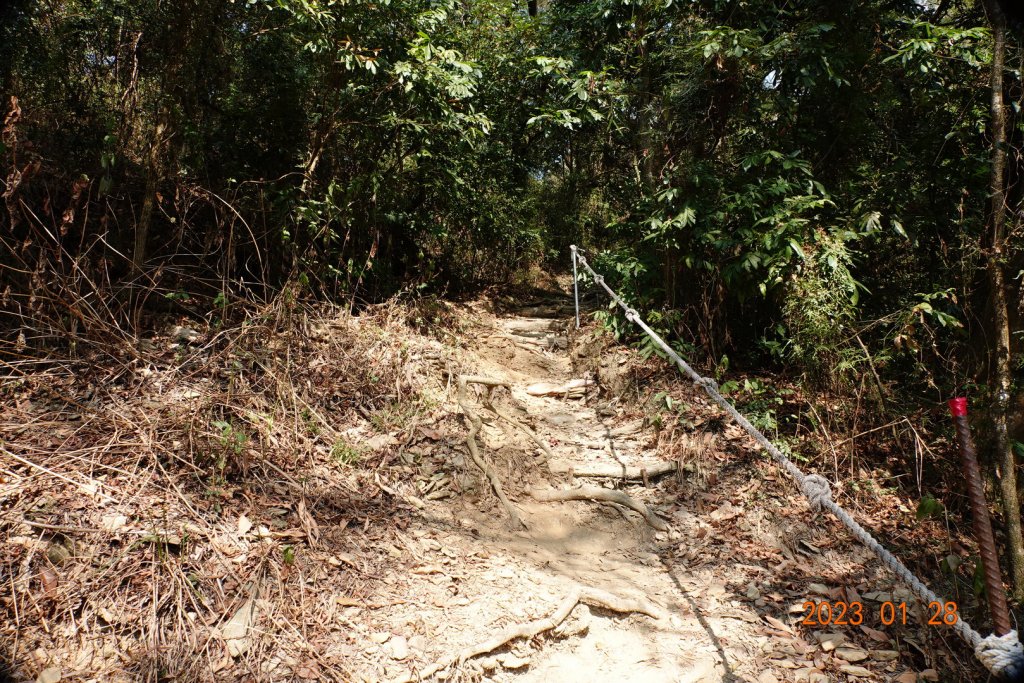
(590, 596)
(473, 420)
(606, 495)
(614, 471)
(488, 403)
(526, 430)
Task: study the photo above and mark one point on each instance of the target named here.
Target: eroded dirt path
(740, 557)
(369, 547)
(585, 543)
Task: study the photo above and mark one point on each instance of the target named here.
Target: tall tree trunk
(994, 254)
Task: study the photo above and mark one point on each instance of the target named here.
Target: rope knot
(632, 315)
(817, 489)
(1002, 655)
(707, 383)
(599, 279)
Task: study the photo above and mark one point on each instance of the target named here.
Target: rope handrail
(1001, 655)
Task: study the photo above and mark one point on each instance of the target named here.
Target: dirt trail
(740, 557)
(516, 576)
(387, 568)
(587, 543)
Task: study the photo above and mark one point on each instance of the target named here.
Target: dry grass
(145, 501)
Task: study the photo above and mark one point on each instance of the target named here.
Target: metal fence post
(980, 519)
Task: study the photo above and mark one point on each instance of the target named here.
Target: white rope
(1002, 655)
(817, 490)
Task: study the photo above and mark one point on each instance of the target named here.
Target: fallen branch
(605, 495)
(576, 388)
(541, 330)
(529, 348)
(590, 596)
(485, 381)
(613, 470)
(634, 427)
(475, 425)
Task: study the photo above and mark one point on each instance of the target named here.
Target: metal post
(575, 285)
(980, 520)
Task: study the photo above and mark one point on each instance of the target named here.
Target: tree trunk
(1001, 371)
(149, 199)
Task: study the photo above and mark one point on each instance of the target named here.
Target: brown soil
(374, 572)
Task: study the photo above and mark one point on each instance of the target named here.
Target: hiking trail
(727, 579)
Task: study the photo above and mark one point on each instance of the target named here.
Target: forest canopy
(732, 158)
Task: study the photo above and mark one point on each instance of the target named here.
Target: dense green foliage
(362, 146)
(796, 183)
(778, 177)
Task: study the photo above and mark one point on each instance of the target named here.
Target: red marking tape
(958, 406)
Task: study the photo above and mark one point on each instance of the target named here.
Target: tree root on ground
(614, 471)
(488, 403)
(590, 596)
(605, 495)
(475, 425)
(549, 455)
